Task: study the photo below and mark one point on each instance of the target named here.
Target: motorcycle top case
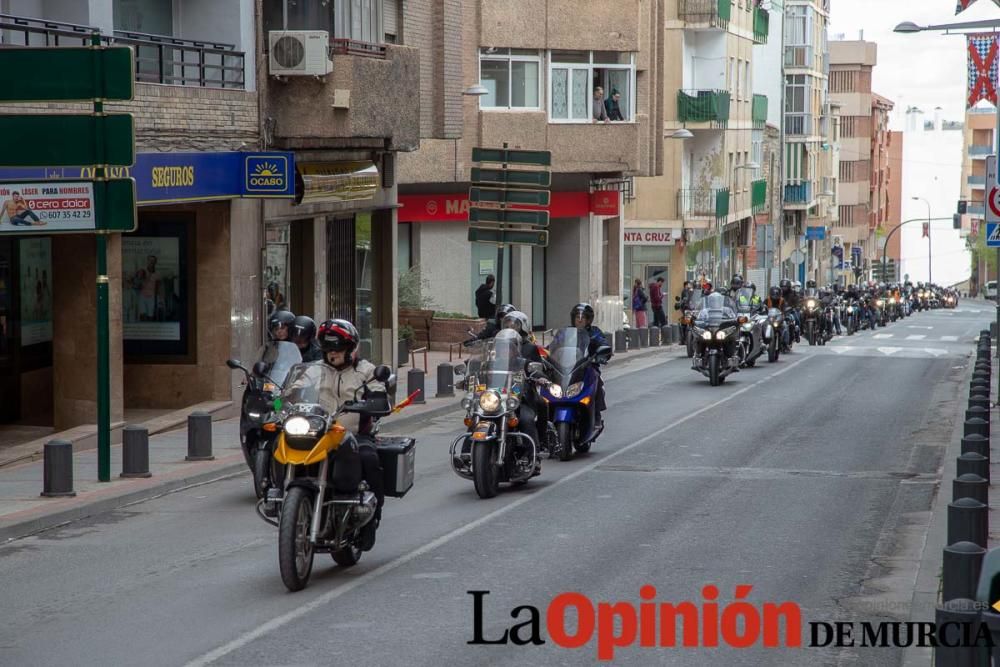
(397, 456)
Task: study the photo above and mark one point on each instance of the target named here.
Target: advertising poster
(151, 290)
(36, 291)
(53, 206)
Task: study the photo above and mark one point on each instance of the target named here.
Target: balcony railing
(158, 58)
(352, 47)
(759, 110)
(714, 12)
(976, 180)
(798, 125)
(761, 25)
(800, 193)
(703, 203)
(976, 209)
(798, 56)
(701, 106)
(758, 195)
(980, 151)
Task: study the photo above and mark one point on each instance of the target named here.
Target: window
(796, 25)
(360, 20)
(574, 77)
(512, 78)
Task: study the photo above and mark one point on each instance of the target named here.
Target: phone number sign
(50, 206)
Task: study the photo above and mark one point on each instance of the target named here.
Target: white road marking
(326, 598)
(882, 336)
(951, 339)
(918, 327)
(840, 349)
(916, 337)
(889, 350)
(936, 351)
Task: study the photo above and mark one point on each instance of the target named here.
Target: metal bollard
(667, 334)
(643, 334)
(968, 521)
(980, 391)
(199, 437)
(976, 444)
(57, 469)
(415, 381)
(654, 337)
(445, 381)
(951, 618)
(977, 412)
(633, 340)
(979, 401)
(960, 570)
(973, 463)
(675, 334)
(135, 452)
(620, 343)
(970, 486)
(980, 383)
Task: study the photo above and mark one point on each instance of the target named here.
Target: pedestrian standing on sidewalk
(485, 307)
(639, 300)
(656, 302)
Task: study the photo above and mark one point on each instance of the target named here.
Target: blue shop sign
(171, 178)
(815, 233)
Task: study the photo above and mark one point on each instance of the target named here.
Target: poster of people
(151, 289)
(36, 291)
(52, 206)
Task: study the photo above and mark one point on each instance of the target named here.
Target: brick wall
(418, 21)
(177, 118)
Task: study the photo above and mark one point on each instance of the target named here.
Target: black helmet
(277, 320)
(753, 288)
(774, 293)
(785, 284)
(736, 282)
(303, 330)
(584, 309)
(810, 284)
(338, 335)
(504, 310)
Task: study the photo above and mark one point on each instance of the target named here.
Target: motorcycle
(811, 325)
(687, 318)
(750, 344)
(496, 451)
(715, 330)
(263, 385)
(773, 334)
(572, 389)
(849, 316)
(324, 502)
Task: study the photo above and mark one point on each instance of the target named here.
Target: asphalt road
(809, 480)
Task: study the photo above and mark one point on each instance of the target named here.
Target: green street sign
(54, 206)
(508, 237)
(512, 177)
(65, 74)
(116, 205)
(67, 140)
(508, 156)
(509, 197)
(508, 216)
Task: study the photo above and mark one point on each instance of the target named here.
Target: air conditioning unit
(299, 53)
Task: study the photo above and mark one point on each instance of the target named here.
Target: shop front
(650, 254)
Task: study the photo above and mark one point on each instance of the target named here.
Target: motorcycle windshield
(501, 360)
(569, 347)
(774, 312)
(715, 309)
(744, 300)
(311, 384)
(280, 357)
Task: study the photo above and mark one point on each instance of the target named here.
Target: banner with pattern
(982, 68)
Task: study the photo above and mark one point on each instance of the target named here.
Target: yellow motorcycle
(321, 502)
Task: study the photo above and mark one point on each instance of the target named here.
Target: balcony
(798, 125)
(758, 195)
(715, 13)
(799, 56)
(976, 208)
(799, 194)
(759, 110)
(981, 152)
(704, 203)
(161, 59)
(703, 106)
(347, 108)
(979, 181)
(761, 21)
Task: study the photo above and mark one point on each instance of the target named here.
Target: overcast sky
(924, 70)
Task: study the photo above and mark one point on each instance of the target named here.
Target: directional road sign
(509, 216)
(509, 156)
(509, 197)
(539, 238)
(83, 74)
(67, 140)
(512, 177)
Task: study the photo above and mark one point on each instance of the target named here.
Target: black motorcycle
(812, 325)
(263, 385)
(715, 331)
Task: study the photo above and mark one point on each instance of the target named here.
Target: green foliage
(979, 250)
(413, 290)
(406, 332)
(442, 315)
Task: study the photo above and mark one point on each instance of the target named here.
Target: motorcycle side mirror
(460, 370)
(677, 299)
(234, 364)
(260, 369)
(382, 373)
(535, 368)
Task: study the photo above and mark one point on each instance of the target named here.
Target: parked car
(990, 290)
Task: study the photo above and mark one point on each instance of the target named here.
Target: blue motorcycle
(571, 392)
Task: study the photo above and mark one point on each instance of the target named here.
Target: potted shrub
(403, 344)
(448, 328)
(416, 310)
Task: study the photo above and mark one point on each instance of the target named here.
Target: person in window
(600, 113)
(611, 105)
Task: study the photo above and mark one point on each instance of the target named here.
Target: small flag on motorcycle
(409, 399)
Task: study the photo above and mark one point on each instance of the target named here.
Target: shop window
(575, 77)
(512, 78)
(157, 290)
(277, 281)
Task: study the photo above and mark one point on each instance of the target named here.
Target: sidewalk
(23, 511)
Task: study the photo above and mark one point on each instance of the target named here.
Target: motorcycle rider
(776, 300)
(532, 413)
(792, 299)
(829, 298)
(494, 325)
(754, 298)
(339, 340)
(304, 336)
(582, 317)
(279, 325)
(735, 285)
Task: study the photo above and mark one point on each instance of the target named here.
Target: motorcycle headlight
(297, 426)
(489, 401)
(720, 335)
(880, 302)
(810, 304)
(707, 335)
(512, 403)
(556, 391)
(574, 389)
(270, 387)
(466, 402)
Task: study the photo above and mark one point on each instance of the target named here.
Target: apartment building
(979, 140)
(540, 65)
(865, 172)
(182, 290)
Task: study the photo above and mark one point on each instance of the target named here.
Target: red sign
(455, 207)
(604, 202)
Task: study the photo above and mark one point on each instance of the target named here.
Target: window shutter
(390, 17)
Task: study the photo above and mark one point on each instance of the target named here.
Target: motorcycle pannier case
(397, 457)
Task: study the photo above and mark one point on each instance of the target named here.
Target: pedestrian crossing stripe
(993, 234)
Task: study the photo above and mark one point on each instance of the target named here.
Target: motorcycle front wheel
(565, 433)
(485, 473)
(713, 371)
(295, 551)
(261, 472)
(772, 348)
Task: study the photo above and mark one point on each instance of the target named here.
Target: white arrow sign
(889, 350)
(936, 351)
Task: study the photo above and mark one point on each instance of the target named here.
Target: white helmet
(518, 321)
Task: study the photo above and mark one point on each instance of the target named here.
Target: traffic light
(963, 207)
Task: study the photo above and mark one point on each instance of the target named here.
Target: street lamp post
(930, 276)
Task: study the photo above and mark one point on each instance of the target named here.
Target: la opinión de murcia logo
(572, 620)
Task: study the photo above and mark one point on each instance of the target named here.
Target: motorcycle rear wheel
(565, 432)
(485, 473)
(295, 551)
